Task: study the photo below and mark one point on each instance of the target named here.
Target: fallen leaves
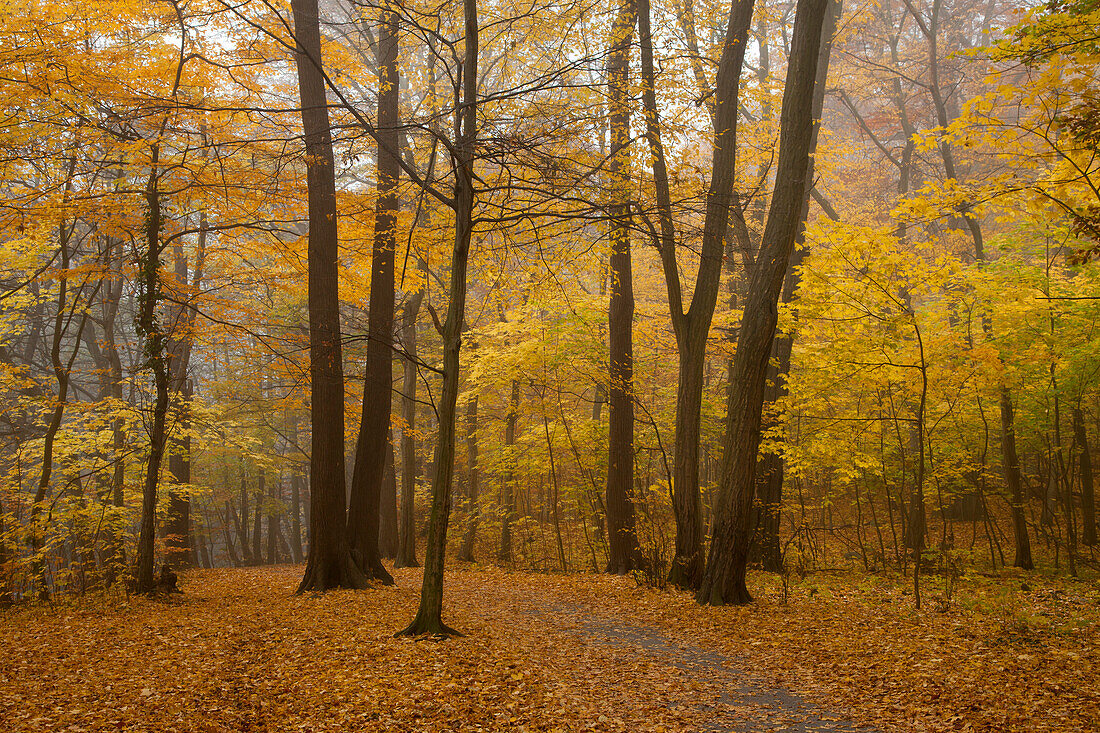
(239, 652)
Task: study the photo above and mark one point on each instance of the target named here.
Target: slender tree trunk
(625, 555)
(178, 538)
(258, 516)
(149, 327)
(466, 552)
(374, 433)
(1088, 495)
(329, 564)
(295, 493)
(1015, 482)
(179, 543)
(406, 529)
(724, 576)
(507, 480)
(769, 484)
(429, 616)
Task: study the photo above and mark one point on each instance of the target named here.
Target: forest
(683, 365)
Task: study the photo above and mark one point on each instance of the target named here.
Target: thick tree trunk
(329, 564)
(724, 576)
(374, 434)
(387, 510)
(466, 551)
(429, 616)
(507, 479)
(406, 529)
(625, 555)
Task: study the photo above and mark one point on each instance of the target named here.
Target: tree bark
(624, 553)
(329, 564)
(507, 480)
(724, 576)
(150, 329)
(1088, 493)
(429, 615)
(387, 511)
(466, 551)
(374, 434)
(769, 484)
(693, 326)
(406, 529)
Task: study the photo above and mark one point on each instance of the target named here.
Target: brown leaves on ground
(239, 652)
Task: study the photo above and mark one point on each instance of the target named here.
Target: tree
(625, 555)
(373, 445)
(692, 327)
(429, 615)
(329, 564)
(724, 576)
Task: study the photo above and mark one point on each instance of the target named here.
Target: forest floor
(238, 651)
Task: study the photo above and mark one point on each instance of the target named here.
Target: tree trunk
(406, 529)
(507, 479)
(724, 576)
(387, 511)
(429, 616)
(258, 516)
(1015, 483)
(178, 541)
(693, 327)
(1088, 495)
(769, 484)
(149, 328)
(374, 434)
(625, 555)
(295, 494)
(466, 552)
(329, 564)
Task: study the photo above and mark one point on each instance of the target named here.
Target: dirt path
(619, 659)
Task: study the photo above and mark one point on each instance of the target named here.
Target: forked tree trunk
(693, 327)
(329, 564)
(724, 577)
(429, 615)
(374, 434)
(624, 553)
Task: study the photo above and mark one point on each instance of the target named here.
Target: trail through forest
(238, 651)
